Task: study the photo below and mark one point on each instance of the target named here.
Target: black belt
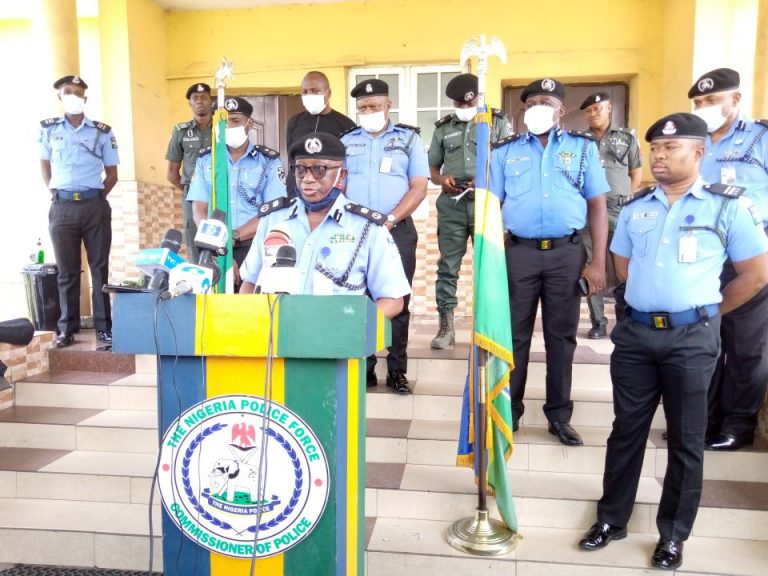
(544, 243)
(669, 320)
(67, 196)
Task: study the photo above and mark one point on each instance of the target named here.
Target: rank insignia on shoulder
(498, 112)
(281, 175)
(443, 121)
(275, 205)
(582, 134)
(372, 215)
(624, 200)
(268, 152)
(101, 127)
(349, 131)
(724, 190)
(630, 131)
(507, 140)
(50, 121)
(204, 151)
(409, 127)
(763, 122)
(182, 126)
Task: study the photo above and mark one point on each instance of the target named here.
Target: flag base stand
(481, 535)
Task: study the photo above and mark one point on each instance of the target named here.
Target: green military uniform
(619, 153)
(454, 148)
(187, 140)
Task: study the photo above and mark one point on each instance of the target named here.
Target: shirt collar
(696, 190)
(337, 213)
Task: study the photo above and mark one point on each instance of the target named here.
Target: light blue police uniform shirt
(377, 265)
(648, 233)
(380, 168)
(249, 187)
(77, 155)
(744, 149)
(545, 190)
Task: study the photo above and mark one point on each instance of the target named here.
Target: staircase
(78, 451)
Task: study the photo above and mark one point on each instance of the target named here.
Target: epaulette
(624, 200)
(724, 190)
(268, 152)
(50, 121)
(101, 127)
(204, 151)
(498, 112)
(507, 140)
(443, 121)
(582, 135)
(762, 121)
(409, 127)
(372, 215)
(630, 131)
(348, 131)
(183, 125)
(275, 205)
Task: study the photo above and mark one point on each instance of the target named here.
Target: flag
(220, 190)
(492, 332)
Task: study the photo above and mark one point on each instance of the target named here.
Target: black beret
(318, 145)
(680, 125)
(372, 87)
(594, 99)
(76, 80)
(463, 88)
(715, 81)
(235, 104)
(199, 87)
(545, 86)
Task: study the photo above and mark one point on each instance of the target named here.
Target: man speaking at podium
(341, 247)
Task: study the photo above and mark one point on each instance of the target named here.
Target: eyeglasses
(318, 170)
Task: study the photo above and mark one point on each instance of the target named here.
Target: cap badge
(200, 88)
(76, 80)
(706, 84)
(230, 104)
(313, 145)
(368, 88)
(597, 98)
(548, 84)
(468, 96)
(669, 128)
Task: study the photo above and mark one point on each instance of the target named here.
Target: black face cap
(545, 86)
(199, 87)
(594, 99)
(372, 87)
(463, 88)
(237, 105)
(680, 125)
(75, 80)
(715, 81)
(317, 145)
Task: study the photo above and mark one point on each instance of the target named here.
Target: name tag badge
(386, 165)
(728, 175)
(687, 249)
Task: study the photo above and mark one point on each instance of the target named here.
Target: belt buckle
(660, 321)
(76, 196)
(545, 244)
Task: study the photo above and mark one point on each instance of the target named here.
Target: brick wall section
(25, 361)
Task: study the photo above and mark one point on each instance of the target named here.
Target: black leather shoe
(399, 382)
(668, 554)
(565, 433)
(515, 425)
(600, 535)
(64, 339)
(104, 336)
(371, 381)
(728, 442)
(597, 332)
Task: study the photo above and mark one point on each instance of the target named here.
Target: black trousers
(738, 387)
(239, 253)
(406, 238)
(648, 365)
(89, 222)
(550, 277)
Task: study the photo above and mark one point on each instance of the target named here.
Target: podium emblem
(237, 472)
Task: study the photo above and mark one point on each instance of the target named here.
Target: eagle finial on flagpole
(482, 47)
(223, 73)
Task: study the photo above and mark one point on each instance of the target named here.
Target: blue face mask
(328, 200)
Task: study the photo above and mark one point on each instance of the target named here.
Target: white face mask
(712, 115)
(72, 104)
(465, 114)
(313, 103)
(373, 122)
(236, 136)
(539, 118)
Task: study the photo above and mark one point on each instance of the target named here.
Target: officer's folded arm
(751, 277)
(110, 178)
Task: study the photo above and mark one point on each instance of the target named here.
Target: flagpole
(220, 172)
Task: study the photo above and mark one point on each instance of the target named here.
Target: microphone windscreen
(285, 257)
(172, 240)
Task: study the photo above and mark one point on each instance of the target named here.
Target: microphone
(282, 277)
(156, 263)
(198, 278)
(182, 287)
(211, 242)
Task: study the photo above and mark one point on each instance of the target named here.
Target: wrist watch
(235, 236)
(392, 220)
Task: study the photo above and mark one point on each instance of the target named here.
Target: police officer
(74, 151)
(388, 172)
(255, 176)
(183, 150)
(318, 116)
(454, 150)
(552, 185)
(343, 248)
(736, 153)
(620, 156)
(670, 244)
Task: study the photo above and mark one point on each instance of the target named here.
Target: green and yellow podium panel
(261, 405)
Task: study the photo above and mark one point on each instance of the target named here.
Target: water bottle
(40, 252)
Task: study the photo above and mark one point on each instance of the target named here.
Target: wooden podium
(214, 353)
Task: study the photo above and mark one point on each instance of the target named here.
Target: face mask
(313, 103)
(373, 122)
(72, 104)
(712, 115)
(328, 200)
(539, 118)
(236, 136)
(465, 114)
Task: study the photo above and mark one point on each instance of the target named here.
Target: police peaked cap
(594, 99)
(715, 81)
(199, 87)
(546, 86)
(76, 80)
(235, 104)
(372, 87)
(680, 125)
(463, 88)
(318, 145)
